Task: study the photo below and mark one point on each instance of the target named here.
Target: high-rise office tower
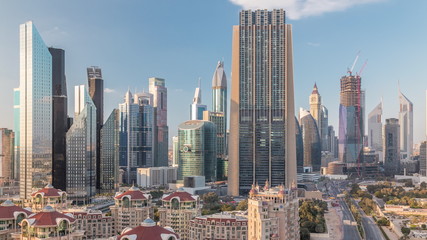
(197, 108)
(350, 140)
(175, 151)
(16, 129)
(35, 111)
(96, 92)
(197, 144)
(332, 141)
(391, 146)
(110, 153)
(375, 128)
(315, 106)
(136, 135)
(299, 147)
(423, 158)
(59, 118)
(161, 131)
(311, 140)
(406, 121)
(262, 113)
(219, 117)
(324, 123)
(7, 148)
(81, 149)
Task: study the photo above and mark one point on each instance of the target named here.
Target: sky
(182, 41)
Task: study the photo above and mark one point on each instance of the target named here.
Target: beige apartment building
(95, 224)
(219, 226)
(10, 217)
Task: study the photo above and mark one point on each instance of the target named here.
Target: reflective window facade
(311, 140)
(35, 111)
(406, 121)
(81, 150)
(110, 153)
(375, 128)
(391, 146)
(197, 144)
(16, 129)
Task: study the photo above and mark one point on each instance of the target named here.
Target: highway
(350, 231)
(372, 231)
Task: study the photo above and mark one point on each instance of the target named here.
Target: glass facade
(222, 164)
(311, 141)
(81, 150)
(35, 111)
(16, 129)
(406, 121)
(136, 134)
(300, 147)
(110, 153)
(375, 128)
(159, 91)
(391, 147)
(197, 144)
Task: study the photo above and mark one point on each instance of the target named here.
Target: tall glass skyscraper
(35, 111)
(375, 128)
(262, 114)
(59, 118)
(96, 92)
(406, 121)
(81, 149)
(159, 91)
(197, 144)
(136, 124)
(350, 141)
(16, 129)
(311, 140)
(391, 147)
(110, 153)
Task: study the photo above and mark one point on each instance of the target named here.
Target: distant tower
(406, 121)
(350, 141)
(7, 145)
(262, 113)
(375, 128)
(96, 92)
(423, 158)
(159, 91)
(197, 108)
(110, 153)
(311, 140)
(315, 106)
(391, 146)
(35, 111)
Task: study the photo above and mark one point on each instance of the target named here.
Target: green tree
(405, 231)
(243, 205)
(304, 234)
(227, 207)
(319, 228)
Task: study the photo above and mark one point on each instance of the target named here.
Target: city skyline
(311, 47)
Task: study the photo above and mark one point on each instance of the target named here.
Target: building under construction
(350, 142)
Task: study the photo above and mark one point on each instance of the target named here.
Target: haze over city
(181, 42)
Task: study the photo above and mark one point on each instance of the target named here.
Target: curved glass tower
(311, 140)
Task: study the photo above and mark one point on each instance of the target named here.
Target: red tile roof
(134, 193)
(47, 217)
(182, 196)
(8, 210)
(48, 191)
(148, 230)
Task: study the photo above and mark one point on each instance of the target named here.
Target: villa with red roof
(51, 196)
(148, 230)
(177, 210)
(131, 208)
(48, 224)
(10, 217)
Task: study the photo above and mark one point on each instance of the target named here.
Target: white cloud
(297, 9)
(313, 44)
(109, 90)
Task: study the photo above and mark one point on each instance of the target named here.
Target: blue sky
(183, 40)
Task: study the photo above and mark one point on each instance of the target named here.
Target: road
(372, 231)
(350, 231)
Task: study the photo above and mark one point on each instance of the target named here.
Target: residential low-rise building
(131, 208)
(148, 230)
(48, 224)
(273, 213)
(156, 176)
(49, 196)
(10, 217)
(178, 209)
(95, 224)
(219, 226)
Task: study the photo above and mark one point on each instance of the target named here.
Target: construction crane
(350, 70)
(362, 68)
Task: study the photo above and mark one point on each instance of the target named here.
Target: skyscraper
(7, 147)
(81, 149)
(311, 140)
(136, 135)
(262, 114)
(175, 151)
(96, 92)
(161, 131)
(423, 158)
(375, 128)
(406, 121)
(324, 123)
(59, 118)
(218, 119)
(197, 144)
(315, 106)
(16, 129)
(350, 141)
(299, 147)
(110, 153)
(35, 111)
(197, 108)
(391, 146)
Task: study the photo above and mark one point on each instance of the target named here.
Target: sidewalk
(333, 225)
